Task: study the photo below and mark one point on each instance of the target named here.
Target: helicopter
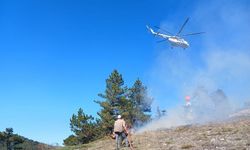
(176, 40)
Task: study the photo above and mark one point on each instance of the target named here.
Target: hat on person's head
(119, 116)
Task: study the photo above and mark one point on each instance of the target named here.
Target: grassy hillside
(233, 134)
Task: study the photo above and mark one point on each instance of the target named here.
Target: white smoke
(222, 61)
(174, 118)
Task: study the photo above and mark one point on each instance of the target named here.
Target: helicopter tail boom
(157, 33)
(151, 30)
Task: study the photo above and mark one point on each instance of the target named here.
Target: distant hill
(24, 143)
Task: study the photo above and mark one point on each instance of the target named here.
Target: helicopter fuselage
(178, 42)
(175, 41)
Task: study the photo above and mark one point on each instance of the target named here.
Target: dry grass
(229, 135)
(187, 146)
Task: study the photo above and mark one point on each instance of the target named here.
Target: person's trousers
(119, 136)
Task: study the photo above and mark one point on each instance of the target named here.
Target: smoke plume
(214, 71)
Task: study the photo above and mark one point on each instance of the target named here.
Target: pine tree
(141, 103)
(83, 126)
(8, 134)
(2, 138)
(71, 140)
(10, 140)
(158, 111)
(115, 101)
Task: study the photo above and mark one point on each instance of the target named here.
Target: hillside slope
(230, 135)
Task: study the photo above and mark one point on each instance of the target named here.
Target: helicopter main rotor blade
(183, 26)
(193, 33)
(161, 41)
(163, 30)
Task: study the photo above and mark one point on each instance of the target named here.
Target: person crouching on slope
(120, 130)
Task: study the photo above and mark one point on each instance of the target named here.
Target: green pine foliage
(115, 101)
(84, 127)
(71, 140)
(133, 104)
(141, 104)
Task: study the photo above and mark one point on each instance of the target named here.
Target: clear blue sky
(56, 54)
